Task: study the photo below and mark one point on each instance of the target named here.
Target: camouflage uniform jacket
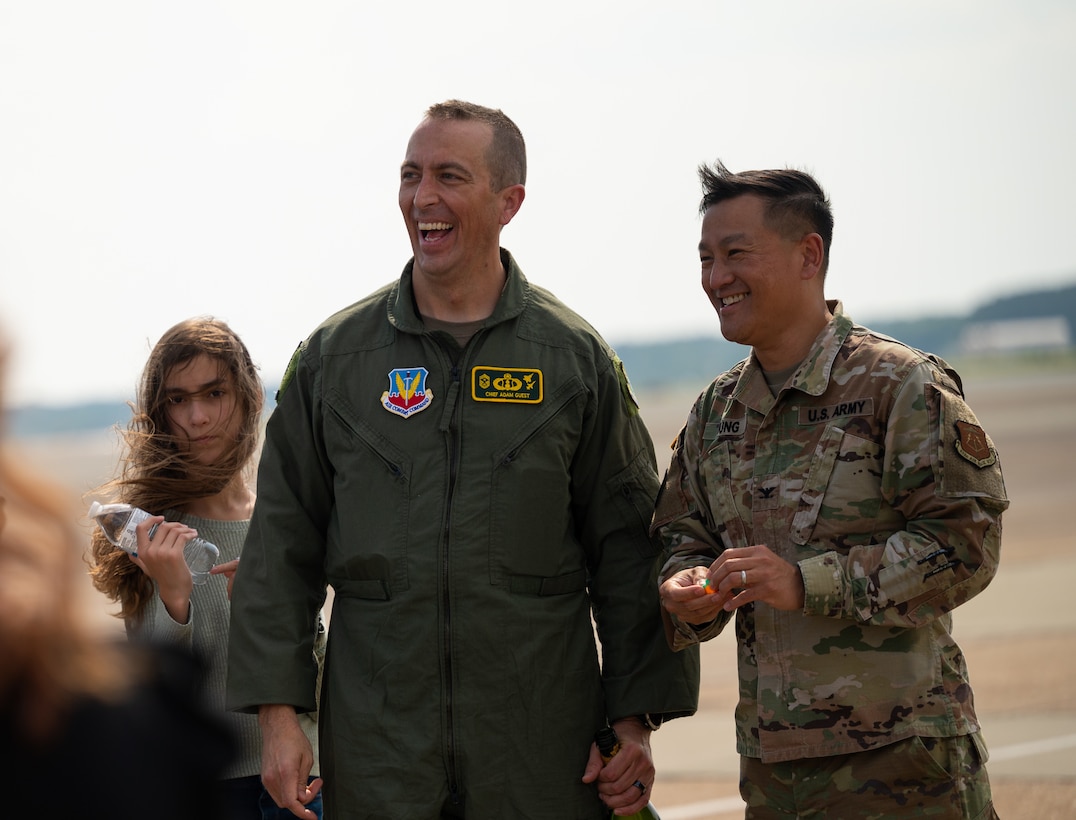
(871, 473)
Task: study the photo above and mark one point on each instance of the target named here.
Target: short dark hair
(795, 203)
(507, 154)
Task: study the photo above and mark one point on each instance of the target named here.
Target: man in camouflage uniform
(835, 491)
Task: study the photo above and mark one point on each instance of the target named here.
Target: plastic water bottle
(609, 745)
(118, 522)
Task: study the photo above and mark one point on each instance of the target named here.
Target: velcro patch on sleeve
(970, 464)
(973, 445)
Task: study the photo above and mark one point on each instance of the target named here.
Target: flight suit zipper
(450, 426)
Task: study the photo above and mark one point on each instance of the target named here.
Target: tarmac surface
(1019, 635)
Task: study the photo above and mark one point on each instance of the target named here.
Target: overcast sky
(240, 158)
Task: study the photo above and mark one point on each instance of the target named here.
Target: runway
(1019, 635)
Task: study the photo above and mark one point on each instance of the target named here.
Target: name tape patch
(852, 407)
(520, 385)
(726, 428)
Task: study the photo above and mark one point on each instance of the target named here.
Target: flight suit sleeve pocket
(633, 490)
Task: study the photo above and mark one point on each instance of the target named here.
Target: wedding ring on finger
(743, 578)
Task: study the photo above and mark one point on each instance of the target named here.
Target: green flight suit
(471, 509)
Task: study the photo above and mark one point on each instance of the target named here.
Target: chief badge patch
(518, 385)
(407, 393)
(972, 444)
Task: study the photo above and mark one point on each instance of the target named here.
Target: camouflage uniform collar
(403, 311)
(812, 375)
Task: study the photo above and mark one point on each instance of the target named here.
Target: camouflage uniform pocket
(840, 496)
(717, 482)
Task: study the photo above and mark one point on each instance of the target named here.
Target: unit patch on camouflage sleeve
(518, 385)
(972, 444)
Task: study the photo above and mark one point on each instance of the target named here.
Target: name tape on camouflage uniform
(852, 407)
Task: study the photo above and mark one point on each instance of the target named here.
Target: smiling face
(202, 409)
(764, 286)
(453, 215)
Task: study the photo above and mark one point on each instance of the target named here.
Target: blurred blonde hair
(52, 657)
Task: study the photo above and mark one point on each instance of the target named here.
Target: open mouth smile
(433, 230)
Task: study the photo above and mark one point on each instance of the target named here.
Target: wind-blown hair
(507, 153)
(156, 473)
(796, 205)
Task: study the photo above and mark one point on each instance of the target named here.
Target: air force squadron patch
(973, 444)
(407, 393)
(506, 384)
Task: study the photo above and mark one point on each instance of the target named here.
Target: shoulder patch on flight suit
(625, 385)
(518, 385)
(289, 371)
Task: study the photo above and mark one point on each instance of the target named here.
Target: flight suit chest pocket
(368, 535)
(530, 502)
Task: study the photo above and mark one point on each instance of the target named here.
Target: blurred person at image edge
(89, 727)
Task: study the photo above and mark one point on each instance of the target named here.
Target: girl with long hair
(188, 452)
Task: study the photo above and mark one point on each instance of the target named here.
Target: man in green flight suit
(460, 456)
(835, 492)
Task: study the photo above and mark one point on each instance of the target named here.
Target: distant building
(1046, 333)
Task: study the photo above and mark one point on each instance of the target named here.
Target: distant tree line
(698, 360)
(692, 361)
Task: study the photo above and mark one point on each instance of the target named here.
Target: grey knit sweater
(206, 633)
